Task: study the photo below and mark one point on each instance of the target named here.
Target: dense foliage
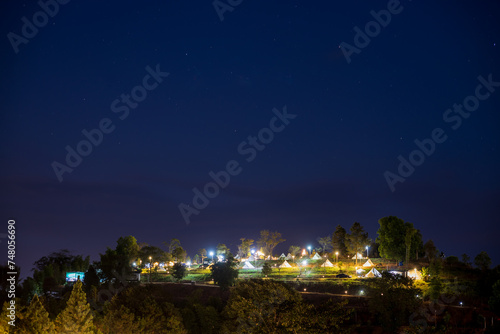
(392, 298)
(225, 273)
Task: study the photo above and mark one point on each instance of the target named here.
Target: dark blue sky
(326, 167)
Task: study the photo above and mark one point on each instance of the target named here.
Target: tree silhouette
(203, 253)
(76, 316)
(269, 240)
(225, 273)
(294, 250)
(326, 243)
(244, 247)
(357, 239)
(179, 271)
(339, 240)
(482, 261)
(36, 319)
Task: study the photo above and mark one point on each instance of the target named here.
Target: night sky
(309, 119)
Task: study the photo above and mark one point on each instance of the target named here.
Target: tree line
(397, 240)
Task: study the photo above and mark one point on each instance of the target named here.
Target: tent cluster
(373, 272)
(368, 264)
(289, 257)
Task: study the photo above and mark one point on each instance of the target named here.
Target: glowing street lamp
(309, 248)
(149, 278)
(304, 263)
(337, 256)
(367, 250)
(212, 255)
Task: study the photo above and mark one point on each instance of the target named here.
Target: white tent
(368, 263)
(316, 257)
(251, 258)
(358, 255)
(285, 265)
(373, 273)
(282, 256)
(248, 265)
(289, 257)
(327, 263)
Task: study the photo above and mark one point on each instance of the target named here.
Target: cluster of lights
(254, 252)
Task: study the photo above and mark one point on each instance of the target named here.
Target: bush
(225, 273)
(452, 261)
(266, 269)
(392, 299)
(179, 271)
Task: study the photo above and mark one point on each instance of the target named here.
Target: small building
(73, 276)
